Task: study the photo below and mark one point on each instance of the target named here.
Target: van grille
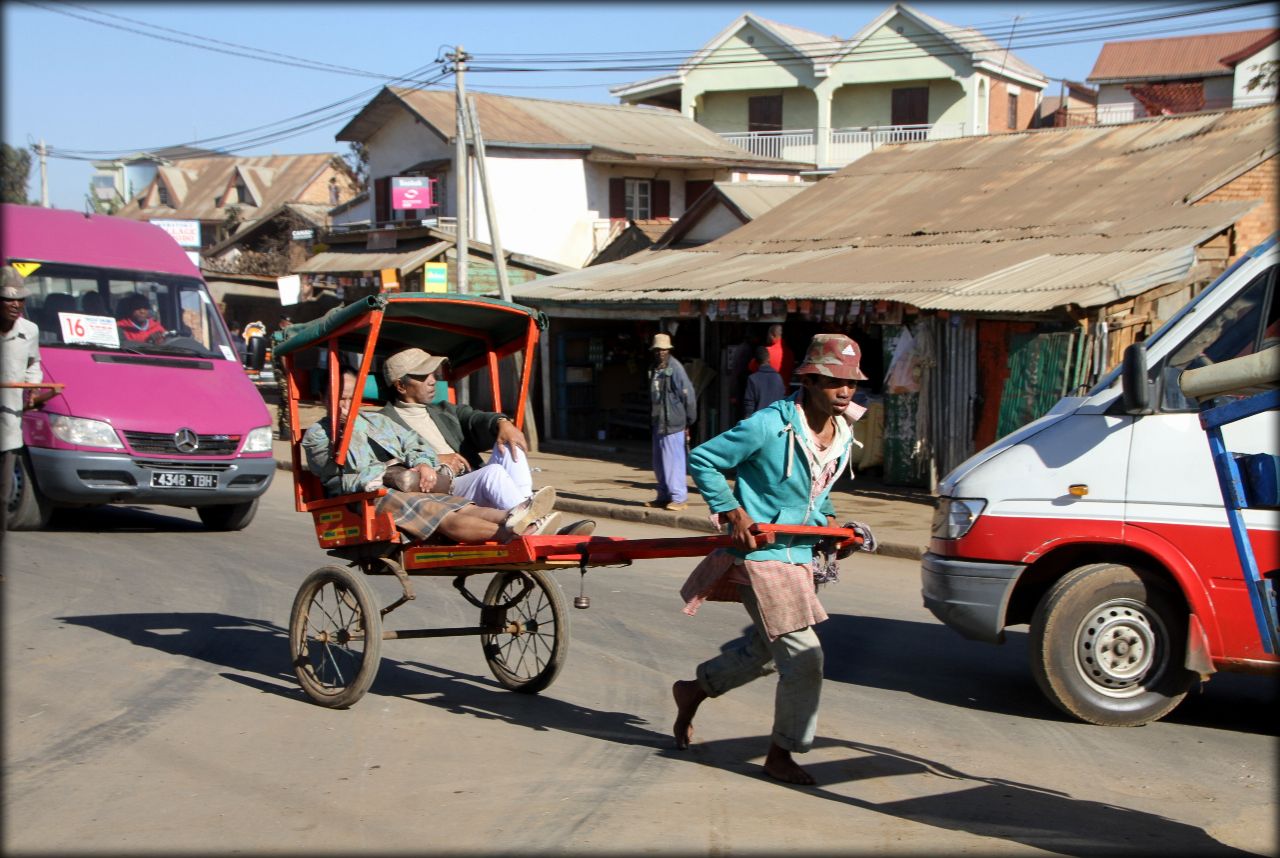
(163, 444)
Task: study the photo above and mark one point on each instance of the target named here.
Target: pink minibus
(155, 406)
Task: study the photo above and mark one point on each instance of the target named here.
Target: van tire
(1138, 675)
(228, 516)
(28, 508)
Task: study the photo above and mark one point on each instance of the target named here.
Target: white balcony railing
(795, 145)
(845, 144)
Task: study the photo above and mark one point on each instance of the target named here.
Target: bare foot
(779, 766)
(688, 695)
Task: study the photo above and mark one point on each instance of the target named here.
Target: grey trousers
(797, 658)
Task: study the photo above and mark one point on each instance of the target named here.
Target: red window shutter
(617, 198)
(661, 198)
(694, 189)
(382, 199)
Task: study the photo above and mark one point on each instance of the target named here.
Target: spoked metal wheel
(335, 632)
(529, 653)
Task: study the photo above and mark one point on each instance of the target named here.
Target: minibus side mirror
(256, 354)
(1135, 386)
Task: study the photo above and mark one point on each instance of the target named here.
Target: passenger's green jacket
(468, 430)
(375, 440)
(773, 478)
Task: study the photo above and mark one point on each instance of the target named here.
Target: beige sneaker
(677, 506)
(542, 526)
(524, 514)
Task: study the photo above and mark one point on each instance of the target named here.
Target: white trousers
(501, 484)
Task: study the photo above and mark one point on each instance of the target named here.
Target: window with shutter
(661, 199)
(694, 189)
(382, 200)
(639, 199)
(764, 113)
(909, 106)
(617, 199)
(1013, 111)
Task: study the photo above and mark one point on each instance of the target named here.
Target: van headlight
(84, 432)
(953, 517)
(258, 440)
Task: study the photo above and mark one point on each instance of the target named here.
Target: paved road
(148, 706)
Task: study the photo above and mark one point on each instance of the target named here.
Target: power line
(279, 59)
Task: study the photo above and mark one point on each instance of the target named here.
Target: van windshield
(94, 308)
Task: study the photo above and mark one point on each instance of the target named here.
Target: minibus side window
(1249, 323)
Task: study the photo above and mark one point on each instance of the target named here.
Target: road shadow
(932, 662)
(978, 805)
(259, 649)
(119, 519)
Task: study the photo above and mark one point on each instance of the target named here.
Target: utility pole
(44, 174)
(460, 170)
(499, 261)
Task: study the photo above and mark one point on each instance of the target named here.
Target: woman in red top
(135, 320)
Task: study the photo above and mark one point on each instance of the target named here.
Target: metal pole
(495, 241)
(44, 175)
(460, 170)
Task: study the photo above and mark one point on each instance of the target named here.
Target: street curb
(668, 518)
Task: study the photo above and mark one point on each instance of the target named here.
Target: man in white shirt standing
(19, 362)
(458, 432)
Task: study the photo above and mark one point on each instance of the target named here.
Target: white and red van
(159, 413)
(1102, 525)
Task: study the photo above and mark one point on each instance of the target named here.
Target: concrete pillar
(822, 130)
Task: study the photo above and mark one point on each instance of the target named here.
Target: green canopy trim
(463, 328)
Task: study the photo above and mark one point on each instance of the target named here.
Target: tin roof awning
(332, 262)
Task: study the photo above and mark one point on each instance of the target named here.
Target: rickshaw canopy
(463, 328)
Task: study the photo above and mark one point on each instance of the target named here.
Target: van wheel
(230, 516)
(28, 508)
(1107, 647)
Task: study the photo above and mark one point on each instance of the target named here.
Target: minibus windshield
(80, 307)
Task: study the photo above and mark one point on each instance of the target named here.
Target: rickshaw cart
(335, 627)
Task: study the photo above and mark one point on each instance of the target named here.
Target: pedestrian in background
(283, 428)
(779, 354)
(673, 408)
(764, 386)
(19, 363)
(786, 457)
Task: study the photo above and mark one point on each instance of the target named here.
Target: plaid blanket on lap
(418, 514)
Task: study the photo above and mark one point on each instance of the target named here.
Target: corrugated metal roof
(1179, 56)
(610, 132)
(403, 261)
(755, 198)
(198, 183)
(1021, 222)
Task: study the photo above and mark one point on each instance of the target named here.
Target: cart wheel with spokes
(335, 635)
(528, 655)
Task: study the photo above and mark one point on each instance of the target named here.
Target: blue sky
(84, 86)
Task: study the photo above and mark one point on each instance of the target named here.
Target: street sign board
(185, 232)
(435, 277)
(304, 234)
(411, 192)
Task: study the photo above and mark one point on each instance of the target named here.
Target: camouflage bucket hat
(13, 288)
(832, 355)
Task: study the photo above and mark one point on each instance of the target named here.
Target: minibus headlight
(954, 516)
(84, 432)
(258, 440)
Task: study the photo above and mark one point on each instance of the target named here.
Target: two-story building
(792, 93)
(561, 175)
(1183, 74)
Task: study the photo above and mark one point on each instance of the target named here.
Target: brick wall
(1260, 183)
(998, 107)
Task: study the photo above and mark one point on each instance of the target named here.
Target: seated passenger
(135, 321)
(505, 481)
(379, 444)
